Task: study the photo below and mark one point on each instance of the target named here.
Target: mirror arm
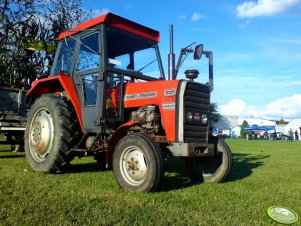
(209, 55)
(183, 52)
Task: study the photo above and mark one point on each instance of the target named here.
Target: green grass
(265, 173)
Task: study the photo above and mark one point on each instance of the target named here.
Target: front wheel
(211, 169)
(138, 163)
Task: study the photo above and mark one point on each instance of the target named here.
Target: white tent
(294, 125)
(226, 123)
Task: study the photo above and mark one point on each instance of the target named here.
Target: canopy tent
(257, 127)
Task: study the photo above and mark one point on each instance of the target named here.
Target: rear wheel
(49, 134)
(17, 140)
(138, 163)
(211, 169)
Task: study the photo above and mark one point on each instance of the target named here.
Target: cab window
(89, 57)
(64, 58)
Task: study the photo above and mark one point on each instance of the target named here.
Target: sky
(256, 46)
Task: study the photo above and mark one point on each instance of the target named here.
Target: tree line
(26, 28)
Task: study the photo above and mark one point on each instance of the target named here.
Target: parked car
(282, 136)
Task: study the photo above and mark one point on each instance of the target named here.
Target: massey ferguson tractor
(107, 96)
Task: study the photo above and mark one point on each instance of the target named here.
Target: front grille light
(196, 117)
(204, 119)
(189, 116)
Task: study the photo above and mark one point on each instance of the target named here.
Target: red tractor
(107, 96)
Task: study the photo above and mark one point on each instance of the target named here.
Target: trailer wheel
(211, 169)
(138, 163)
(49, 134)
(17, 148)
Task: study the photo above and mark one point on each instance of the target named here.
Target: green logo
(282, 215)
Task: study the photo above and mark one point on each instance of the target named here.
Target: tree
(24, 20)
(15, 61)
(214, 115)
(242, 131)
(244, 123)
(282, 122)
(61, 15)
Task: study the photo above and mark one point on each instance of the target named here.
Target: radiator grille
(196, 100)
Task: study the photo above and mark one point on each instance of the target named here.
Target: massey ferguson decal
(169, 106)
(169, 92)
(137, 96)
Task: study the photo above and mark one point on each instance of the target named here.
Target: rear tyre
(211, 169)
(49, 134)
(138, 163)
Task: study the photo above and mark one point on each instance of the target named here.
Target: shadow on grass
(243, 165)
(175, 175)
(82, 168)
(12, 156)
(175, 170)
(6, 150)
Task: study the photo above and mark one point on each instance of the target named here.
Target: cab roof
(115, 21)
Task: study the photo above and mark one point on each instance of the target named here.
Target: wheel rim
(209, 166)
(133, 165)
(41, 134)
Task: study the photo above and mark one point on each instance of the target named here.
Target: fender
(57, 84)
(118, 134)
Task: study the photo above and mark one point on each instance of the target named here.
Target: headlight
(204, 119)
(189, 116)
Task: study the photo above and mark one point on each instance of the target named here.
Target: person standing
(296, 135)
(275, 135)
(290, 135)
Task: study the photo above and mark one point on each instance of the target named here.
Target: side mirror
(198, 51)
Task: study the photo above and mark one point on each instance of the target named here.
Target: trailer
(13, 117)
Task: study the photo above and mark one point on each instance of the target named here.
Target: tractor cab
(101, 56)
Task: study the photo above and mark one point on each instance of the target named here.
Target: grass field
(264, 174)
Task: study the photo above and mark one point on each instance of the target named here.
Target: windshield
(64, 56)
(129, 52)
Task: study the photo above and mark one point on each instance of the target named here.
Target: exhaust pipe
(171, 56)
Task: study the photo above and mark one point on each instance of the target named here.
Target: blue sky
(256, 46)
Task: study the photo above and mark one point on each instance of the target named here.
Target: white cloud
(264, 7)
(234, 107)
(286, 108)
(196, 16)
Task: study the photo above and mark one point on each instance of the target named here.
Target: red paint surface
(118, 22)
(168, 115)
(56, 85)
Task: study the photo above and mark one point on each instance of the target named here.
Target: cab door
(89, 83)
